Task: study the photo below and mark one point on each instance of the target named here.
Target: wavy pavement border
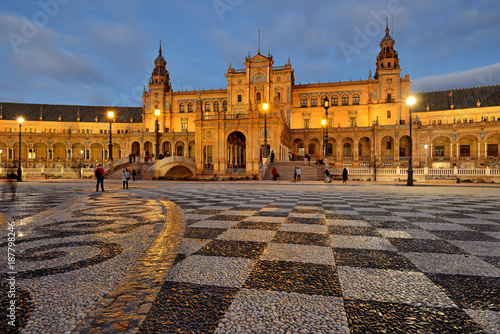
(127, 305)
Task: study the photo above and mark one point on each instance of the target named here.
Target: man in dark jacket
(99, 175)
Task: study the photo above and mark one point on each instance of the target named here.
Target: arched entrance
(236, 152)
(136, 149)
(148, 149)
(167, 148)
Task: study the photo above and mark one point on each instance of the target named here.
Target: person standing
(134, 174)
(99, 175)
(125, 178)
(275, 174)
(305, 158)
(344, 175)
(309, 159)
(299, 172)
(272, 156)
(294, 175)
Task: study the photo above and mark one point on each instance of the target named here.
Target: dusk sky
(102, 52)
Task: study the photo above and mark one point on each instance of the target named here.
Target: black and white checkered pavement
(303, 262)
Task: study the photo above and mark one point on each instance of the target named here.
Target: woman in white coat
(125, 178)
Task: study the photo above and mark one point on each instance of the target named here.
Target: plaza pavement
(253, 257)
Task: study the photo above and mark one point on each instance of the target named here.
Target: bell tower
(160, 76)
(387, 59)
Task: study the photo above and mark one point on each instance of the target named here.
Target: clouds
(101, 52)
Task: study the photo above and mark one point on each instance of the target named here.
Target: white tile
(347, 222)
(391, 286)
(407, 234)
(212, 270)
(299, 253)
(306, 228)
(361, 242)
(452, 264)
(483, 248)
(215, 223)
(441, 226)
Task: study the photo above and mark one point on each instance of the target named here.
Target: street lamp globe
(411, 100)
(20, 120)
(323, 121)
(111, 114)
(157, 112)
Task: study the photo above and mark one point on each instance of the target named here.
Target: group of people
(99, 175)
(328, 177)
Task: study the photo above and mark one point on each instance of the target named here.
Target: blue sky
(102, 52)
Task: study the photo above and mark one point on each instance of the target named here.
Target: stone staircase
(286, 168)
(138, 166)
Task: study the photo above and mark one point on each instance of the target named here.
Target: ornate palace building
(222, 132)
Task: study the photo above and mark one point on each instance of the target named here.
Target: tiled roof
(489, 96)
(68, 113)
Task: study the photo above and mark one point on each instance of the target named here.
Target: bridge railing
(165, 161)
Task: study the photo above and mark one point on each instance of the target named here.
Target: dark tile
(187, 308)
(452, 215)
(203, 232)
(307, 211)
(207, 212)
(271, 214)
(343, 217)
(425, 246)
(179, 258)
(228, 217)
(483, 227)
(306, 278)
(494, 260)
(371, 259)
(392, 224)
(464, 235)
(231, 248)
(379, 317)
(315, 239)
(294, 220)
(473, 292)
(353, 230)
(249, 225)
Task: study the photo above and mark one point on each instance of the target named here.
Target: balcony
(390, 100)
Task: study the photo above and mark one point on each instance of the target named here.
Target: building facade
(222, 132)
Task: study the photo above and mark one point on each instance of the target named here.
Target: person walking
(294, 175)
(275, 174)
(299, 172)
(309, 159)
(134, 174)
(99, 175)
(344, 175)
(305, 158)
(272, 156)
(125, 178)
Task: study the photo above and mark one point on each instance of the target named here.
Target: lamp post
(111, 115)
(265, 107)
(426, 146)
(20, 120)
(326, 105)
(410, 101)
(81, 166)
(157, 131)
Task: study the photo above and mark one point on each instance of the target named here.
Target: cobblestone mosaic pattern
(67, 260)
(300, 262)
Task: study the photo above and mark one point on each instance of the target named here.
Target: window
(258, 97)
(190, 107)
(492, 118)
(216, 106)
(389, 98)
(471, 120)
(303, 102)
(459, 121)
(434, 122)
(322, 101)
(167, 129)
(465, 150)
(314, 101)
(182, 108)
(207, 106)
(347, 150)
(335, 100)
(239, 98)
(224, 105)
(306, 123)
(345, 100)
(352, 121)
(389, 145)
(402, 152)
(492, 150)
(402, 122)
(440, 122)
(388, 114)
(312, 149)
(184, 127)
(355, 99)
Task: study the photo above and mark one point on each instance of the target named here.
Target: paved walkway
(247, 257)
